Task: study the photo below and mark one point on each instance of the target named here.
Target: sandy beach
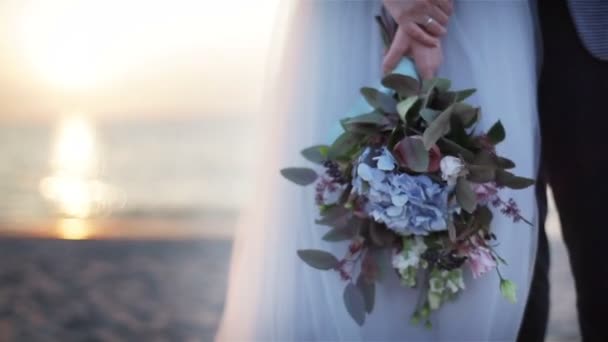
(56, 290)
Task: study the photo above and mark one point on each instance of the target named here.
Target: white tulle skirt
(330, 50)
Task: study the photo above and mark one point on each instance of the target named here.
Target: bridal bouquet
(412, 179)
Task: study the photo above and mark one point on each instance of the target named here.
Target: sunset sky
(131, 58)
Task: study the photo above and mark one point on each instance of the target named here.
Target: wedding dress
(330, 50)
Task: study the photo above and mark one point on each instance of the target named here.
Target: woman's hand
(427, 59)
(420, 21)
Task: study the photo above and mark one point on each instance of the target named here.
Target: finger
(439, 15)
(434, 28)
(398, 48)
(426, 69)
(417, 33)
(427, 62)
(446, 6)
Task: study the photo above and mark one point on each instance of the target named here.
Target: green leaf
(300, 175)
(411, 154)
(464, 94)
(339, 234)
(335, 216)
(508, 290)
(486, 158)
(355, 303)
(380, 235)
(405, 106)
(396, 135)
(505, 163)
(316, 154)
(443, 100)
(318, 259)
(405, 86)
(441, 84)
(373, 118)
(467, 114)
(481, 173)
(369, 123)
(458, 132)
(452, 148)
(379, 100)
(505, 178)
(465, 195)
(437, 129)
(483, 217)
(368, 290)
(344, 146)
(429, 115)
(496, 134)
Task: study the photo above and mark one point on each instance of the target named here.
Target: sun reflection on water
(74, 186)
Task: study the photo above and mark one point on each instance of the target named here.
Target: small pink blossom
(486, 192)
(479, 257)
(481, 261)
(328, 191)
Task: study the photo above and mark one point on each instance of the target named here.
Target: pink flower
(485, 192)
(479, 257)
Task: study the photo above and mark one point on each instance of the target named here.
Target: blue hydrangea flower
(406, 204)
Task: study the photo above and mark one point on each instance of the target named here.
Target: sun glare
(78, 44)
(74, 229)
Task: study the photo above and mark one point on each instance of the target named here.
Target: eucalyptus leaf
(339, 234)
(380, 235)
(484, 217)
(368, 290)
(379, 100)
(505, 178)
(505, 163)
(411, 153)
(396, 135)
(465, 195)
(316, 154)
(355, 303)
(318, 259)
(453, 148)
(405, 86)
(458, 132)
(367, 124)
(429, 115)
(467, 114)
(335, 216)
(485, 157)
(441, 84)
(481, 173)
(497, 133)
(405, 106)
(437, 129)
(344, 146)
(442, 100)
(464, 94)
(300, 175)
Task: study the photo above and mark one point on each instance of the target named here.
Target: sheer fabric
(330, 50)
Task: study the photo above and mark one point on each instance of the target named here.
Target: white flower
(410, 256)
(451, 169)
